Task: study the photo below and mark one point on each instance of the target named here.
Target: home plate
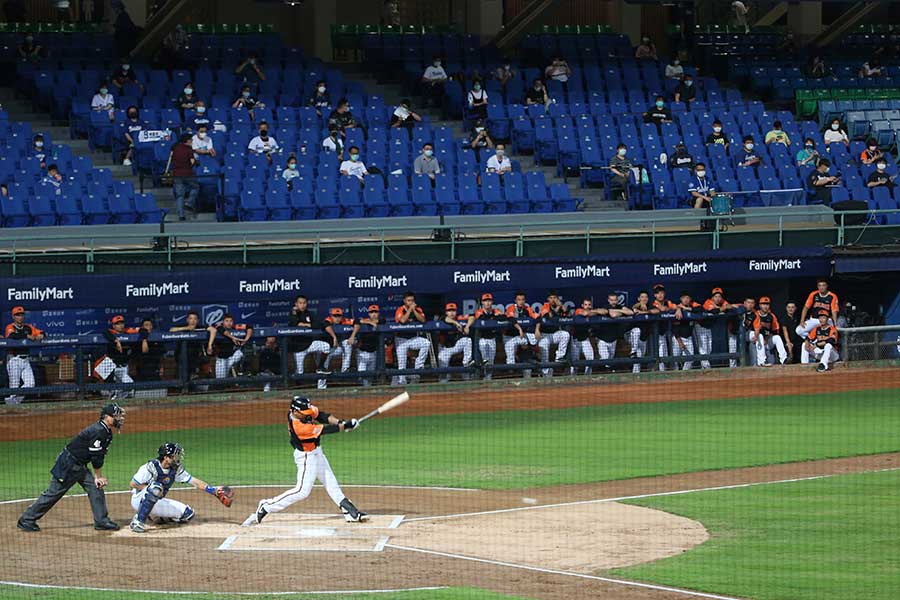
(289, 532)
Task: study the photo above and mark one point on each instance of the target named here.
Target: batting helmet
(304, 407)
(172, 449)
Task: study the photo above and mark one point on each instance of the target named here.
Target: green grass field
(497, 450)
(455, 593)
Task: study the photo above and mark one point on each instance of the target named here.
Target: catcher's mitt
(225, 495)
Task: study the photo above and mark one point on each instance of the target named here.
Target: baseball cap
(374, 308)
(487, 296)
(717, 290)
(18, 310)
(765, 300)
(117, 319)
(450, 306)
(824, 312)
(337, 311)
(658, 287)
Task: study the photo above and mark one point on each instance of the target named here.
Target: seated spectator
(818, 68)
(250, 71)
(247, 101)
(717, 137)
(29, 49)
(433, 81)
(426, 163)
(558, 70)
(499, 163)
(674, 70)
(187, 99)
(132, 127)
(659, 113)
(646, 50)
(620, 166)
(320, 100)
(38, 150)
(747, 156)
(354, 167)
(681, 158)
(291, 171)
(537, 94)
(54, 178)
(479, 137)
(808, 155)
(504, 73)
(820, 182)
(871, 68)
(202, 144)
(685, 92)
(880, 178)
(333, 143)
(263, 143)
(777, 135)
(477, 101)
(200, 117)
(103, 100)
(123, 75)
(403, 116)
(700, 187)
(871, 153)
(836, 134)
(341, 118)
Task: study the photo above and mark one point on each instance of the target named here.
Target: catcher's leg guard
(187, 515)
(151, 497)
(351, 513)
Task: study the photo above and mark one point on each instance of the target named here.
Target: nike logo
(181, 318)
(246, 315)
(88, 332)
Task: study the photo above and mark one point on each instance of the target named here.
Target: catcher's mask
(174, 451)
(116, 412)
(308, 412)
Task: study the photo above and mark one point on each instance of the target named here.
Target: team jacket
(495, 315)
(549, 318)
(581, 331)
(749, 317)
(608, 332)
(91, 444)
(225, 346)
(368, 337)
(682, 328)
(300, 343)
(817, 301)
(305, 436)
(14, 332)
(332, 320)
(766, 324)
(449, 338)
(828, 334)
(710, 306)
(412, 320)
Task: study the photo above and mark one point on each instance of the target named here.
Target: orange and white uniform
(511, 338)
(343, 350)
(552, 333)
(824, 343)
(487, 342)
(18, 367)
(664, 306)
(406, 342)
(815, 303)
(768, 337)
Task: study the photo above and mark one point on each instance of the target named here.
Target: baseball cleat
(257, 517)
(136, 525)
(821, 368)
(351, 513)
(27, 526)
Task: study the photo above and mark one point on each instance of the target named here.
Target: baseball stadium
(449, 299)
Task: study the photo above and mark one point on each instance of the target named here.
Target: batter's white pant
(579, 347)
(561, 339)
(445, 354)
(704, 343)
(365, 361)
(763, 348)
(310, 466)
(638, 347)
(811, 323)
(223, 365)
(18, 368)
(403, 347)
(686, 351)
(163, 509)
(824, 355)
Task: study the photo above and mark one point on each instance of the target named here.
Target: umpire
(89, 446)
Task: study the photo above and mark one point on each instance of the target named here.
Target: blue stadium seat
(146, 208)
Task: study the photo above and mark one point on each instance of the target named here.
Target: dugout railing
(873, 343)
(83, 351)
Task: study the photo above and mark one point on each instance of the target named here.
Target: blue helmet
(172, 449)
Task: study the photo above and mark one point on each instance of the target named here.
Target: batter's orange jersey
(304, 435)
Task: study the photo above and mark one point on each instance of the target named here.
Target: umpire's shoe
(351, 513)
(106, 525)
(27, 525)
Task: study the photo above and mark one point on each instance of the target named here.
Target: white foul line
(200, 593)
(641, 496)
(625, 582)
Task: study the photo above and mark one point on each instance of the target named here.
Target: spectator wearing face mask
(38, 150)
(291, 171)
(320, 100)
(700, 187)
(125, 74)
(263, 143)
(747, 156)
(403, 116)
(718, 137)
(333, 143)
(558, 70)
(504, 73)
(835, 134)
(646, 50)
(200, 117)
(479, 137)
(674, 70)
(247, 101)
(477, 101)
(187, 99)
(202, 144)
(427, 164)
(777, 135)
(433, 81)
(499, 163)
(880, 178)
(681, 158)
(820, 182)
(131, 128)
(103, 100)
(354, 167)
(685, 92)
(537, 94)
(808, 155)
(250, 71)
(620, 166)
(871, 153)
(659, 113)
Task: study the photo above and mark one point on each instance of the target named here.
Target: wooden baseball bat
(392, 403)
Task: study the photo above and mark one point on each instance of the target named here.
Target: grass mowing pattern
(827, 539)
(514, 449)
(10, 592)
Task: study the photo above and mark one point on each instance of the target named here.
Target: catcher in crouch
(151, 484)
(306, 424)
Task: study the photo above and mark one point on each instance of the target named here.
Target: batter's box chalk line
(313, 532)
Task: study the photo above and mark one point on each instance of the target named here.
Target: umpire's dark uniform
(89, 446)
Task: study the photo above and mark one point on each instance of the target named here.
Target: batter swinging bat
(392, 403)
